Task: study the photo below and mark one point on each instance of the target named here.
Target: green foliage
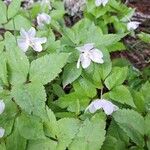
(70, 74)
(117, 77)
(30, 97)
(45, 96)
(121, 94)
(132, 123)
(13, 8)
(30, 127)
(144, 37)
(45, 70)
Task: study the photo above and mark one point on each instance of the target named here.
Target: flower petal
(37, 47)
(98, 2)
(104, 2)
(88, 47)
(32, 32)
(23, 44)
(96, 56)
(132, 25)
(106, 105)
(2, 106)
(2, 132)
(23, 33)
(85, 61)
(40, 40)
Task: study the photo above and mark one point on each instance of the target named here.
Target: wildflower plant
(59, 87)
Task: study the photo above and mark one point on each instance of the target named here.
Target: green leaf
(144, 37)
(46, 144)
(12, 141)
(122, 95)
(17, 61)
(111, 143)
(115, 131)
(47, 68)
(3, 68)
(145, 91)
(2, 146)
(95, 73)
(109, 39)
(116, 77)
(8, 116)
(138, 100)
(85, 87)
(13, 8)
(68, 128)
(91, 135)
(74, 102)
(51, 125)
(132, 123)
(147, 125)
(18, 22)
(3, 10)
(30, 127)
(70, 73)
(31, 98)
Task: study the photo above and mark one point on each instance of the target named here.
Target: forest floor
(138, 52)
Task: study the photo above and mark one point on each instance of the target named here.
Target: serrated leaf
(145, 92)
(74, 102)
(46, 68)
(13, 8)
(122, 95)
(109, 39)
(116, 77)
(70, 73)
(51, 125)
(91, 135)
(138, 99)
(68, 128)
(17, 61)
(12, 141)
(31, 98)
(46, 144)
(115, 131)
(85, 87)
(3, 68)
(132, 123)
(30, 127)
(111, 143)
(147, 125)
(3, 10)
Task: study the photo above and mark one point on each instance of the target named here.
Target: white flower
(132, 25)
(106, 105)
(101, 2)
(2, 106)
(2, 132)
(7, 2)
(46, 3)
(42, 19)
(89, 53)
(28, 39)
